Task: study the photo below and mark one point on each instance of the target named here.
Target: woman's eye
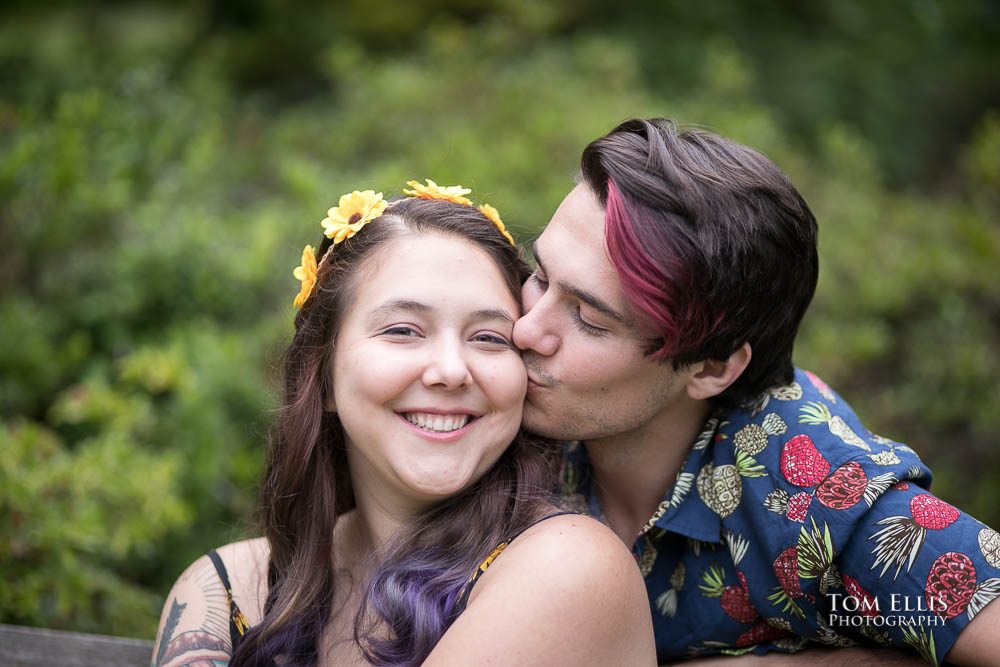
(399, 330)
(492, 339)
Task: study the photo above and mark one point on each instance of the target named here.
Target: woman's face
(426, 381)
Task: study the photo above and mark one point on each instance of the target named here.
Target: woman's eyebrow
(412, 306)
(493, 314)
(408, 305)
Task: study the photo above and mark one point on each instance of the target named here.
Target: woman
(398, 476)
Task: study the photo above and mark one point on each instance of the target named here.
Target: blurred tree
(161, 166)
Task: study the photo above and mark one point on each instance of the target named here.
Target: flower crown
(357, 209)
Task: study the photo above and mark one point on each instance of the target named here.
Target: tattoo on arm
(207, 641)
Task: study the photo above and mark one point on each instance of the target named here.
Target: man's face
(588, 374)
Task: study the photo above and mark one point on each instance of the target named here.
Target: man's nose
(531, 332)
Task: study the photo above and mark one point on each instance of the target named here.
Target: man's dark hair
(713, 244)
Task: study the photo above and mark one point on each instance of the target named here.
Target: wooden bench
(39, 647)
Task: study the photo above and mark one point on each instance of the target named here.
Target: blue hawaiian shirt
(791, 522)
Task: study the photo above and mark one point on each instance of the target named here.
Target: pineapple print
(922, 642)
(901, 539)
(791, 644)
(569, 479)
(815, 553)
(816, 413)
(801, 463)
(875, 634)
(886, 458)
(989, 544)
(795, 507)
(708, 434)
(648, 558)
(682, 487)
(735, 599)
(666, 602)
(827, 635)
(779, 622)
(752, 438)
(789, 392)
(737, 545)
(721, 487)
(822, 387)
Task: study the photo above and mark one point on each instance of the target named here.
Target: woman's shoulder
(565, 591)
(570, 546)
(196, 614)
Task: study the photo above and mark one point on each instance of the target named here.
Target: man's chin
(539, 422)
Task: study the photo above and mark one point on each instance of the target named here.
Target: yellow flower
(307, 274)
(452, 193)
(494, 216)
(354, 211)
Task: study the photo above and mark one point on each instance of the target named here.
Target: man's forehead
(572, 255)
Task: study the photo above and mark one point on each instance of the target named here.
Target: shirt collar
(680, 510)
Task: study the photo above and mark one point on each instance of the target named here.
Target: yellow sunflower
(494, 216)
(307, 274)
(353, 211)
(452, 193)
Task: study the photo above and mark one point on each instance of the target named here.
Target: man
(658, 335)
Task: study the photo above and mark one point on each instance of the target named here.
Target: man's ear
(712, 377)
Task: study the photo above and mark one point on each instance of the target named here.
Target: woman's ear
(712, 377)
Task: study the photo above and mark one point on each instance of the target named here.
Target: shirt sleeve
(910, 571)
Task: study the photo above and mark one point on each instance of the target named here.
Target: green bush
(161, 168)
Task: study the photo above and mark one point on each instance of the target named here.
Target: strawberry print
(901, 539)
(760, 633)
(801, 463)
(786, 570)
(867, 604)
(795, 507)
(844, 488)
(951, 584)
(821, 387)
(735, 599)
(791, 490)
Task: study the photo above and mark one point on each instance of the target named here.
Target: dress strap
(463, 595)
(238, 625)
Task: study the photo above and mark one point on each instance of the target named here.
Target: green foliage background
(162, 165)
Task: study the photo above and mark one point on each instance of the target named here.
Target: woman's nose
(447, 368)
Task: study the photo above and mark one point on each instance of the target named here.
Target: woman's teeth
(439, 423)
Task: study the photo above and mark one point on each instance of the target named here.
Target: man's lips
(536, 380)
